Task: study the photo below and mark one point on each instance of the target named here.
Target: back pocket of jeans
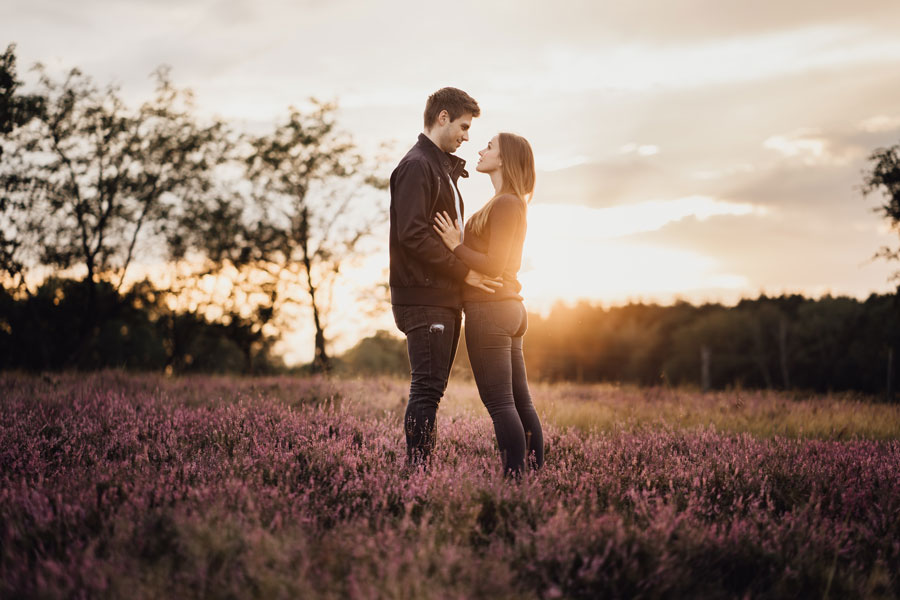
(506, 316)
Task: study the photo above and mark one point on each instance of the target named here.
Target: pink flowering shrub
(140, 487)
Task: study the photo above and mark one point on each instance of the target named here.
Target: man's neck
(432, 135)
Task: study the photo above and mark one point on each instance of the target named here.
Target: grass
(761, 413)
(139, 486)
(586, 407)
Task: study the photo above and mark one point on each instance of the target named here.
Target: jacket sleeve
(503, 222)
(411, 191)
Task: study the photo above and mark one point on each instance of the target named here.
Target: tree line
(786, 342)
(248, 232)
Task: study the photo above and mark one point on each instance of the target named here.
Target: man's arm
(411, 189)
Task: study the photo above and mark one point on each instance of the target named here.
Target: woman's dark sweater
(497, 250)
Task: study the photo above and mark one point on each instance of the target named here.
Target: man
(426, 277)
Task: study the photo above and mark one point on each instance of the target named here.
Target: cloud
(711, 19)
(880, 123)
(633, 66)
(723, 173)
(352, 46)
(819, 188)
(786, 250)
(820, 166)
(585, 223)
(639, 149)
(609, 183)
(819, 170)
(814, 147)
(799, 142)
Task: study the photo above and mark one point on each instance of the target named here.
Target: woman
(495, 322)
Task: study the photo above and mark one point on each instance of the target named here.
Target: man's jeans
(432, 335)
(494, 333)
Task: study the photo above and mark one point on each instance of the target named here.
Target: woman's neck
(497, 180)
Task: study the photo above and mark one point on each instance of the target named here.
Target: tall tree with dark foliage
(884, 175)
(90, 182)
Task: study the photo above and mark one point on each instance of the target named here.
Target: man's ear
(443, 117)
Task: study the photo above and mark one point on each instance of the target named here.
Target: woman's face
(490, 156)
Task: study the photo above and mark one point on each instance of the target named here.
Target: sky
(686, 149)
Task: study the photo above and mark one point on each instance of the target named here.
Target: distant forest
(787, 342)
(90, 187)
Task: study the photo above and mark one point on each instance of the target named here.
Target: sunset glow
(581, 253)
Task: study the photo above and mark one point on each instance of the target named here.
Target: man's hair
(455, 101)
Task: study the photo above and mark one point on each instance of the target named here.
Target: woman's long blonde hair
(517, 167)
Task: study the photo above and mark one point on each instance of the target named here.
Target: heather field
(132, 486)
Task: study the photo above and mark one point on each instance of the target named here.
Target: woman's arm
(450, 235)
(503, 222)
(447, 230)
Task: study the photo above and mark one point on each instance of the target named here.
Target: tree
(15, 110)
(308, 172)
(304, 216)
(90, 179)
(382, 353)
(885, 176)
(727, 335)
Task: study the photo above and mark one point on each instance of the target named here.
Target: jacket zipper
(436, 197)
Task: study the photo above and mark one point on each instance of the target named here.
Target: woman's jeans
(494, 333)
(432, 335)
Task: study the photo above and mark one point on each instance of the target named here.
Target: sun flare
(577, 252)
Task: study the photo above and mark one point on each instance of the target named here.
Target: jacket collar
(450, 163)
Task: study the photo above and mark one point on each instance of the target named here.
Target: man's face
(454, 133)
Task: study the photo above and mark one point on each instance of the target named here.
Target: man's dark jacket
(423, 270)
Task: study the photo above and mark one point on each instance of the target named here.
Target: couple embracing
(440, 269)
